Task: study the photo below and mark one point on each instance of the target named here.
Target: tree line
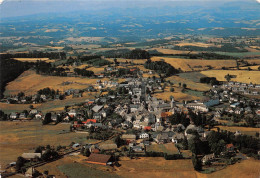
(161, 67)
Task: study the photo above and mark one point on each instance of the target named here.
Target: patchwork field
(29, 82)
(19, 137)
(196, 64)
(242, 75)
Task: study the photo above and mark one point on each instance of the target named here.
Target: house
(230, 147)
(178, 137)
(38, 116)
(108, 146)
(126, 125)
(99, 159)
(23, 115)
(134, 107)
(13, 115)
(31, 172)
(144, 135)
(162, 138)
(33, 111)
(97, 108)
(137, 149)
(209, 157)
(97, 116)
(76, 145)
(129, 137)
(72, 113)
(31, 156)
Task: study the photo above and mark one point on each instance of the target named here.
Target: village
(128, 121)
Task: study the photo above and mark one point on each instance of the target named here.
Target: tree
(119, 142)
(31, 106)
(184, 85)
(19, 163)
(196, 162)
(172, 89)
(179, 84)
(47, 119)
(228, 77)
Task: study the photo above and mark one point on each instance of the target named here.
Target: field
(242, 75)
(244, 130)
(158, 167)
(168, 148)
(33, 59)
(29, 82)
(171, 51)
(19, 137)
(204, 45)
(196, 64)
(177, 94)
(56, 105)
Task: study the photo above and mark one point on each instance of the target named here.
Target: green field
(78, 170)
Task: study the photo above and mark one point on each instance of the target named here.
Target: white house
(144, 135)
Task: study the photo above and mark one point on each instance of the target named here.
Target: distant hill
(128, 20)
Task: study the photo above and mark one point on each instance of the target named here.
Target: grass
(244, 54)
(168, 148)
(19, 137)
(33, 59)
(156, 167)
(78, 170)
(29, 82)
(193, 64)
(56, 105)
(177, 94)
(244, 130)
(242, 75)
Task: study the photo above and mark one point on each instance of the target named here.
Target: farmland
(244, 130)
(241, 75)
(33, 59)
(196, 64)
(19, 137)
(30, 82)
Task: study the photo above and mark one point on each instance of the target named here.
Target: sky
(13, 8)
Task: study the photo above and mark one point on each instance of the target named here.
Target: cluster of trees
(199, 56)
(35, 54)
(48, 92)
(42, 67)
(161, 67)
(99, 62)
(84, 72)
(209, 80)
(223, 48)
(138, 54)
(10, 69)
(126, 53)
(88, 58)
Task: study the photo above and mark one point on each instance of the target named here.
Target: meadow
(19, 137)
(34, 59)
(29, 82)
(195, 64)
(243, 76)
